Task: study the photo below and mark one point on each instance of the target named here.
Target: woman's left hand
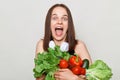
(65, 74)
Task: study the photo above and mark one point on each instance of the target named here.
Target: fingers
(61, 74)
(62, 70)
(82, 76)
(58, 75)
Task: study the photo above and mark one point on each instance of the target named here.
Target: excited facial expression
(59, 23)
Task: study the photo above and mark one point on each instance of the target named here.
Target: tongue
(59, 32)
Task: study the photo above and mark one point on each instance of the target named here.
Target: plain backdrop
(97, 23)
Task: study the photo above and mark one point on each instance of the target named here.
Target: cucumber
(85, 63)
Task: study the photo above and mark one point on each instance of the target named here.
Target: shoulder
(39, 46)
(40, 42)
(80, 44)
(82, 51)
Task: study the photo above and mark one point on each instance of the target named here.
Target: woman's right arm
(39, 48)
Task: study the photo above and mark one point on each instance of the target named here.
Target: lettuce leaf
(99, 70)
(47, 62)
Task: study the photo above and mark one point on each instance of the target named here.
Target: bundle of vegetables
(48, 61)
(57, 57)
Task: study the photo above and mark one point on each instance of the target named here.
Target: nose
(59, 21)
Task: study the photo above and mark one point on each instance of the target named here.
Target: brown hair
(70, 33)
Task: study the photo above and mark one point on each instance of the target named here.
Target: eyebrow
(63, 15)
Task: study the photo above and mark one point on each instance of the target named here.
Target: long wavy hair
(70, 38)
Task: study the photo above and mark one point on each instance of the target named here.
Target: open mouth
(58, 28)
(58, 31)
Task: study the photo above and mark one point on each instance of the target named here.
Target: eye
(65, 18)
(54, 18)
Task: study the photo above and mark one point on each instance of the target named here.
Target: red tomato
(63, 63)
(76, 70)
(75, 61)
(83, 71)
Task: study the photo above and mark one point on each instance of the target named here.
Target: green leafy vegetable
(99, 70)
(47, 62)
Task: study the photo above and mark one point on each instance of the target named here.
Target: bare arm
(39, 48)
(82, 51)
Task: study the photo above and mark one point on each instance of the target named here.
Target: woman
(59, 27)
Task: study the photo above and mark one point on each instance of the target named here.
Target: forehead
(59, 11)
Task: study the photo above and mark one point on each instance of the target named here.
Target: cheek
(66, 27)
(53, 22)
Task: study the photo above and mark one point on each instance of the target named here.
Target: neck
(58, 43)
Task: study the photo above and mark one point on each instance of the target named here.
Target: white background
(97, 23)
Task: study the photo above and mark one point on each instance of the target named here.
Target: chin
(59, 38)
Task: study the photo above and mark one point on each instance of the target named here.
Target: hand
(82, 77)
(65, 74)
(41, 78)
